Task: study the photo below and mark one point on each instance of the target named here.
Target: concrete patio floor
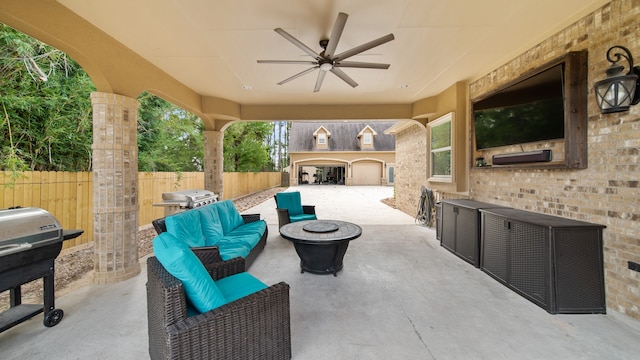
(400, 296)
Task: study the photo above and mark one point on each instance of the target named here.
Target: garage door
(367, 173)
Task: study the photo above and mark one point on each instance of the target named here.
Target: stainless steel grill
(30, 240)
(178, 201)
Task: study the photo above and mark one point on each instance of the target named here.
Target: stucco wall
(607, 192)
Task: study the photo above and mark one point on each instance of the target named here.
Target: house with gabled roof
(344, 153)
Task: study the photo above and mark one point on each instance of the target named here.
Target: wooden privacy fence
(69, 195)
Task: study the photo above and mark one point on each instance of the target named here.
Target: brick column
(213, 162)
(115, 182)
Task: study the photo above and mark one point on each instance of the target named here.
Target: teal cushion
(250, 240)
(229, 216)
(200, 289)
(290, 201)
(239, 285)
(233, 249)
(211, 225)
(252, 228)
(186, 227)
(301, 217)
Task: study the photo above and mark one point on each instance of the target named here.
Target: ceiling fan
(327, 60)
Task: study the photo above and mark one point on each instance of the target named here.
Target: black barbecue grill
(30, 240)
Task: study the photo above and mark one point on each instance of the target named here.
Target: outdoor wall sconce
(617, 92)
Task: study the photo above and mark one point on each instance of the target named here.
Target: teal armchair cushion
(300, 217)
(200, 289)
(186, 227)
(229, 216)
(211, 224)
(239, 285)
(290, 201)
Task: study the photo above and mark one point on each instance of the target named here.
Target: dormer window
(322, 136)
(366, 137)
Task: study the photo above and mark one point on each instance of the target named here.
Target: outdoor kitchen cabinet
(460, 232)
(554, 262)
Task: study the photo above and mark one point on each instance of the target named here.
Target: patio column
(115, 181)
(213, 162)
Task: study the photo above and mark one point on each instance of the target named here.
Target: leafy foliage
(46, 116)
(245, 148)
(46, 107)
(169, 138)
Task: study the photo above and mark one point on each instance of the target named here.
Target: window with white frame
(368, 138)
(322, 138)
(440, 139)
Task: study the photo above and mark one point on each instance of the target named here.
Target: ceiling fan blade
(298, 75)
(364, 47)
(299, 62)
(339, 73)
(336, 33)
(359, 64)
(297, 43)
(319, 81)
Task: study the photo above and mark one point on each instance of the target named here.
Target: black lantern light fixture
(617, 92)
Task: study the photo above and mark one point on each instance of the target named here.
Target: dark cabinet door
(448, 236)
(529, 262)
(495, 238)
(467, 236)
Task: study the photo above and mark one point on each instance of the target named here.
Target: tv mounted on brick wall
(531, 110)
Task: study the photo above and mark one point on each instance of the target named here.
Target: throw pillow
(186, 227)
(178, 259)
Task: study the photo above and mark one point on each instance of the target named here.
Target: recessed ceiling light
(404, 86)
(246, 87)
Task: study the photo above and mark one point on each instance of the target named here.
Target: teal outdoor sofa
(220, 225)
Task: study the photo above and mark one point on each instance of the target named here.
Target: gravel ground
(73, 265)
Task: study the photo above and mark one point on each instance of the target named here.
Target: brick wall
(607, 192)
(411, 167)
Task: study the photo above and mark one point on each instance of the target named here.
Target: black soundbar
(522, 157)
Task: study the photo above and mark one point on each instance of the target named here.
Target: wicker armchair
(256, 326)
(288, 201)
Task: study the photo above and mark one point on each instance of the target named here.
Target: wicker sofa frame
(160, 227)
(256, 326)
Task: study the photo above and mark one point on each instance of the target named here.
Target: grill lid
(188, 198)
(24, 228)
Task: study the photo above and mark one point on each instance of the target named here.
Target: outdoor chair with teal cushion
(200, 307)
(290, 209)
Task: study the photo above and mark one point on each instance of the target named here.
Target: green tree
(46, 108)
(169, 138)
(245, 147)
(46, 119)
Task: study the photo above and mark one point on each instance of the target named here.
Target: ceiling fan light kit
(327, 61)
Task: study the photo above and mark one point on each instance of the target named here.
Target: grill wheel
(53, 317)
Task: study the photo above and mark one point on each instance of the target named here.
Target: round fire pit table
(321, 244)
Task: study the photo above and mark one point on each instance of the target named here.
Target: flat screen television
(531, 110)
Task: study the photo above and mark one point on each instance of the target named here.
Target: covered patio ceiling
(202, 55)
